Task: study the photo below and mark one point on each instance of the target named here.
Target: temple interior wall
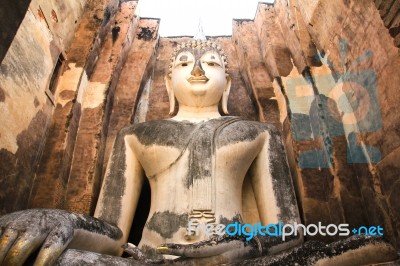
(26, 97)
(326, 73)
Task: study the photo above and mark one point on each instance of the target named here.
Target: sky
(181, 17)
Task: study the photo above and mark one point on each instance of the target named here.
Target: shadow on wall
(11, 15)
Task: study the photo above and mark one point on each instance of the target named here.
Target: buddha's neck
(197, 114)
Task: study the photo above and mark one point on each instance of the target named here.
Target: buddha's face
(198, 78)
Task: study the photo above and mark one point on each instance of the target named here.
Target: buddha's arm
(121, 187)
(273, 190)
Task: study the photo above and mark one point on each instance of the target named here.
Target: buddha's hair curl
(202, 45)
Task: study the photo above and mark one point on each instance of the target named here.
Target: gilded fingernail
(162, 249)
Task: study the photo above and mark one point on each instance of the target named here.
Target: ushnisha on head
(197, 76)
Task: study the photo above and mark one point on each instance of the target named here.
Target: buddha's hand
(217, 249)
(46, 230)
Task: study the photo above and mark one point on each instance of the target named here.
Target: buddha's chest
(198, 149)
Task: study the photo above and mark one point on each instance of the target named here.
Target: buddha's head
(197, 76)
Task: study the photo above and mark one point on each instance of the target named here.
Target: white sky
(181, 17)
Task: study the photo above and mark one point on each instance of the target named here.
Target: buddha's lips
(202, 79)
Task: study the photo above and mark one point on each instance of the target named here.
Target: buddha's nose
(197, 69)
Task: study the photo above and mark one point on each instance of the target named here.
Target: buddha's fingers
(138, 255)
(54, 245)
(134, 251)
(23, 247)
(6, 241)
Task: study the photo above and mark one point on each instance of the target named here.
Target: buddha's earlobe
(225, 95)
(171, 94)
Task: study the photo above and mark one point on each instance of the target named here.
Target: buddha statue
(195, 162)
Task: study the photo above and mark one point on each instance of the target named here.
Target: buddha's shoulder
(162, 132)
(165, 126)
(248, 126)
(239, 130)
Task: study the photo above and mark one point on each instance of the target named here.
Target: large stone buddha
(196, 163)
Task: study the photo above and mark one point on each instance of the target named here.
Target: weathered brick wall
(12, 14)
(333, 65)
(49, 189)
(136, 73)
(371, 90)
(39, 34)
(389, 12)
(334, 160)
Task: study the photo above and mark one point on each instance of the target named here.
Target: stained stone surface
(355, 248)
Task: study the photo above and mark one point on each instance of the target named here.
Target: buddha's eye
(183, 59)
(211, 63)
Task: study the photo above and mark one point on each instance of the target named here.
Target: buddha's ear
(170, 92)
(225, 95)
